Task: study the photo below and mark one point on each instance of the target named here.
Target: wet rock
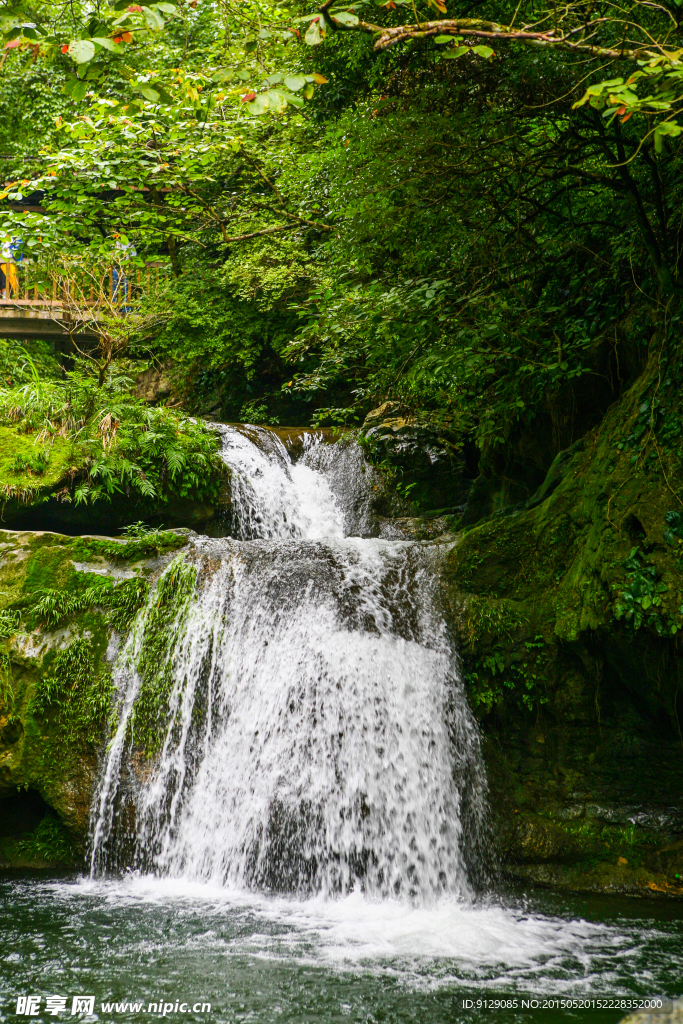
(610, 879)
(48, 766)
(547, 652)
(154, 384)
(426, 458)
(416, 527)
(385, 411)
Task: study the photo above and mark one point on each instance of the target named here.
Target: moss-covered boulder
(65, 602)
(425, 461)
(32, 473)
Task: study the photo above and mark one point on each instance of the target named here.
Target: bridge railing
(114, 288)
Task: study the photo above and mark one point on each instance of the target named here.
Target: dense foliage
(475, 216)
(118, 445)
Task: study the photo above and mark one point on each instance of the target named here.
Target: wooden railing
(33, 303)
(26, 285)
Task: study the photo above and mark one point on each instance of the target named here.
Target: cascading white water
(317, 736)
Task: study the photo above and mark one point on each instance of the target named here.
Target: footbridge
(67, 307)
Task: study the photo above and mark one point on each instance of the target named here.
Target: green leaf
(79, 91)
(108, 44)
(295, 82)
(667, 128)
(440, 40)
(148, 92)
(457, 52)
(483, 51)
(344, 18)
(167, 8)
(315, 33)
(81, 50)
(164, 97)
(277, 100)
(259, 104)
(154, 20)
(8, 22)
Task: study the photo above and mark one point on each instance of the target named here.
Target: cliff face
(568, 611)
(568, 608)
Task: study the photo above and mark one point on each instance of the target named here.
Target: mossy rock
(32, 472)
(58, 613)
(568, 611)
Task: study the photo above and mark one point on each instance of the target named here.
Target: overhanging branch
(481, 29)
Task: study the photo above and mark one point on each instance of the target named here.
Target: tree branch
(492, 30)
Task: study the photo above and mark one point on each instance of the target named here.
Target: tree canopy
(455, 205)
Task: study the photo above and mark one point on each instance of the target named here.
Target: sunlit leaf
(153, 19)
(295, 82)
(108, 44)
(316, 32)
(148, 92)
(344, 18)
(81, 50)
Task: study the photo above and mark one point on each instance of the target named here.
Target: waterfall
(313, 732)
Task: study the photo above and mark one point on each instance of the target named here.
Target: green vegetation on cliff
(160, 627)
(74, 440)
(64, 599)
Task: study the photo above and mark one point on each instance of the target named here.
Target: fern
(124, 446)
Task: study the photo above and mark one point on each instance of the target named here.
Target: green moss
(75, 693)
(22, 449)
(497, 661)
(6, 683)
(48, 565)
(62, 705)
(162, 625)
(56, 693)
(575, 603)
(89, 548)
(125, 599)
